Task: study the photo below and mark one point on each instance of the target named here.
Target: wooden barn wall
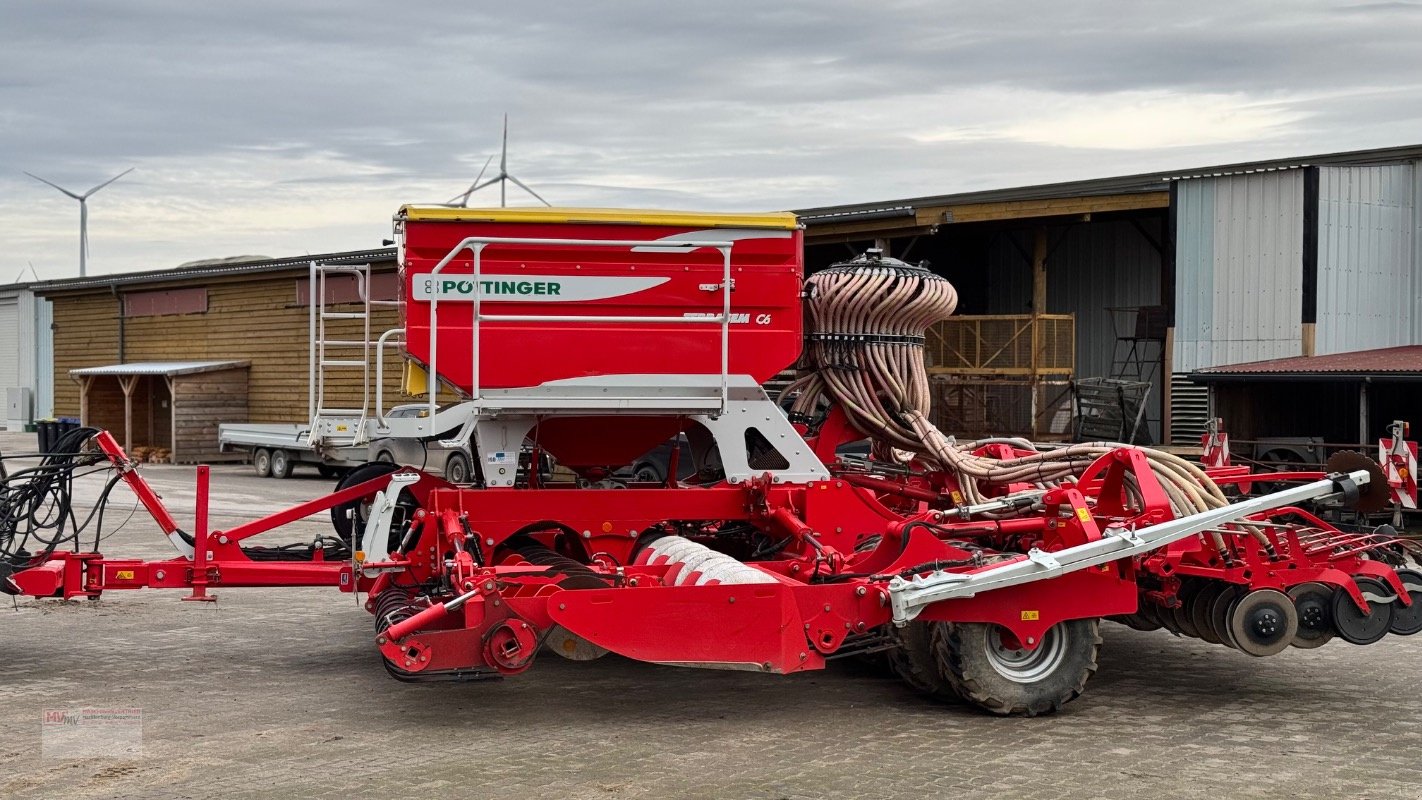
(85, 335)
(150, 426)
(201, 402)
(254, 318)
(105, 405)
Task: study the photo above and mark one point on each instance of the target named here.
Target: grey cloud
(731, 104)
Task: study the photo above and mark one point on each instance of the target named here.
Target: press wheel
(1357, 626)
(1314, 604)
(1263, 622)
(1407, 620)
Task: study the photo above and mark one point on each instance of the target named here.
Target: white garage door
(9, 349)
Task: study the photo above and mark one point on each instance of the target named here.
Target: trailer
(981, 571)
(276, 450)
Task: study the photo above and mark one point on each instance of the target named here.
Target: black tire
(262, 462)
(973, 659)
(458, 469)
(1280, 460)
(912, 661)
(648, 473)
(327, 471)
(341, 515)
(383, 457)
(281, 464)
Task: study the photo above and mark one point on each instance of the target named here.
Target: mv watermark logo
(91, 733)
(61, 717)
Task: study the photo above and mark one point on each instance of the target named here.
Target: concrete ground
(279, 694)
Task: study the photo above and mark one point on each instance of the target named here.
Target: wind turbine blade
(107, 182)
(530, 191)
(482, 170)
(55, 185)
(463, 198)
(489, 182)
(504, 158)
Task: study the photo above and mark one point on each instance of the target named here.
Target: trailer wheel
(457, 469)
(913, 661)
(262, 462)
(281, 464)
(982, 664)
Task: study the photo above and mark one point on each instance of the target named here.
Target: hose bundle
(865, 351)
(867, 318)
(36, 503)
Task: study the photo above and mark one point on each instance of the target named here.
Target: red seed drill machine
(982, 570)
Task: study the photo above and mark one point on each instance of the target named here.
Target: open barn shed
(1343, 399)
(1151, 278)
(169, 409)
(231, 328)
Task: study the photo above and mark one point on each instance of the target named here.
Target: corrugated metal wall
(1092, 267)
(1239, 273)
(42, 348)
(1368, 284)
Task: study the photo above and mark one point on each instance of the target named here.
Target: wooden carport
(165, 405)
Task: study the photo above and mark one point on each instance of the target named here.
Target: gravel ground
(278, 693)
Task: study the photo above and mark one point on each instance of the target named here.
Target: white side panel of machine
(1367, 277)
(1239, 269)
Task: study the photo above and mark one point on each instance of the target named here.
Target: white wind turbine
(83, 213)
(462, 200)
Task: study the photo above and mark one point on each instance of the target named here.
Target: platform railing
(477, 244)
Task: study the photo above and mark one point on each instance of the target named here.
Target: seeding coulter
(978, 571)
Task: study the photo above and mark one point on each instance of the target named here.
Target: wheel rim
(264, 462)
(458, 472)
(1021, 665)
(278, 462)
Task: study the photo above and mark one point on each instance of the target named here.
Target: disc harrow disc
(1263, 622)
(1184, 620)
(1137, 622)
(1314, 604)
(1200, 606)
(1407, 620)
(1372, 496)
(1219, 613)
(1150, 614)
(1357, 626)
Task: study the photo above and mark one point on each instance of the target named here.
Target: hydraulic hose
(868, 317)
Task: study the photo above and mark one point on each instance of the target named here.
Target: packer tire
(964, 652)
(914, 663)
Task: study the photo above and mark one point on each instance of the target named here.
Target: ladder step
(342, 315)
(342, 363)
(340, 412)
(344, 342)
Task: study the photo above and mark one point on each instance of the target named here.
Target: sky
(284, 128)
